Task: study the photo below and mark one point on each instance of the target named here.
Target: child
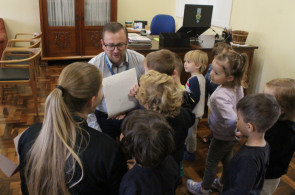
(195, 62)
(148, 139)
(219, 47)
(159, 92)
(281, 137)
(229, 70)
(63, 155)
(168, 62)
(245, 174)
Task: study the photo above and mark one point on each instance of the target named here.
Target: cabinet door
(59, 23)
(96, 13)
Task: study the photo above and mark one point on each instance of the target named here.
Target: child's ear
(250, 127)
(174, 74)
(230, 78)
(91, 101)
(198, 66)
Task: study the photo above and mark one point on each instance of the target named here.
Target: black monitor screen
(196, 19)
(197, 15)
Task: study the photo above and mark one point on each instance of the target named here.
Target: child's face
(242, 126)
(217, 74)
(190, 66)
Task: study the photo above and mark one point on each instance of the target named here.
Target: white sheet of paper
(116, 89)
(8, 167)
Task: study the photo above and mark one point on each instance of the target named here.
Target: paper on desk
(116, 89)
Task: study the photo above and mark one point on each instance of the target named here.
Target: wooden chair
(24, 43)
(21, 75)
(28, 35)
(20, 54)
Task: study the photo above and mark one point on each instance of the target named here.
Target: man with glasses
(116, 58)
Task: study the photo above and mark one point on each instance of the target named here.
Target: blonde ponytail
(54, 157)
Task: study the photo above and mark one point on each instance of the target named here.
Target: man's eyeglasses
(111, 47)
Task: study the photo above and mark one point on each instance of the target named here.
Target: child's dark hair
(148, 138)
(236, 65)
(220, 47)
(162, 61)
(284, 92)
(262, 110)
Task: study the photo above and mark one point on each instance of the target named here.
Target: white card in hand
(116, 89)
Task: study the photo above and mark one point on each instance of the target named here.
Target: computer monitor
(196, 19)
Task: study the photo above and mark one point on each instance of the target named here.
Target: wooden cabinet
(72, 28)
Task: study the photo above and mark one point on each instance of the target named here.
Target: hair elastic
(61, 88)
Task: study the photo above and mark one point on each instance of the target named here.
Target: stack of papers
(138, 40)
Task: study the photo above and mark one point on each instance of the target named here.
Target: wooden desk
(205, 46)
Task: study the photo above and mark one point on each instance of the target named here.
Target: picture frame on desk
(139, 24)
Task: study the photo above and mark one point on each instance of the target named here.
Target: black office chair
(162, 23)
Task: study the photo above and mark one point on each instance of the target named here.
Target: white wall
(271, 27)
(20, 16)
(144, 9)
(270, 24)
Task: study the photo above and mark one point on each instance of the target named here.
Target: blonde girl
(229, 71)
(63, 155)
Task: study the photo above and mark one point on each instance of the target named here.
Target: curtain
(97, 12)
(61, 12)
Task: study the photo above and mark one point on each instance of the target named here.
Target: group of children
(156, 138)
(231, 116)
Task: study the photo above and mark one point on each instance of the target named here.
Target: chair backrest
(162, 23)
(28, 35)
(30, 57)
(24, 43)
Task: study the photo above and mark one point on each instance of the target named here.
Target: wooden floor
(17, 113)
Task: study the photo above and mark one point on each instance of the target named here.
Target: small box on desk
(174, 40)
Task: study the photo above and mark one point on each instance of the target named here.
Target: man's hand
(119, 117)
(134, 90)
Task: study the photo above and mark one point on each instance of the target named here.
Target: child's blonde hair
(54, 158)
(236, 65)
(198, 57)
(160, 93)
(284, 89)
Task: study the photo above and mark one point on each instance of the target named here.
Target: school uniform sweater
(103, 161)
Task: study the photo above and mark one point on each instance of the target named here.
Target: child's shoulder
(197, 79)
(253, 151)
